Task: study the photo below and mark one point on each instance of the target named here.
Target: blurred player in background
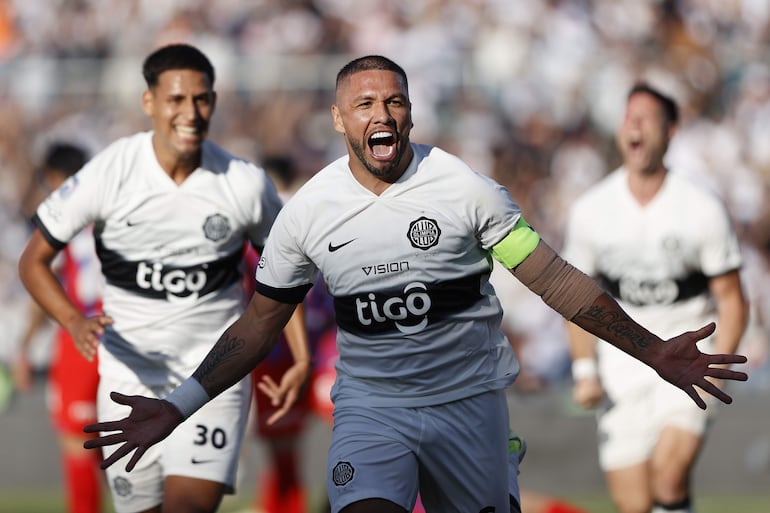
(171, 213)
(666, 250)
(72, 379)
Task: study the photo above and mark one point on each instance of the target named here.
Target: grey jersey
(419, 323)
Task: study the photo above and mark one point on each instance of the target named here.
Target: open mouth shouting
(634, 143)
(382, 145)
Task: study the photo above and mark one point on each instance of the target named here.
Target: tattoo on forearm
(226, 348)
(616, 323)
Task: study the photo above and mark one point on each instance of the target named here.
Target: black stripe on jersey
(158, 281)
(293, 295)
(661, 292)
(53, 241)
(408, 308)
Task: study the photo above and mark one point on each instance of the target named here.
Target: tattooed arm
(240, 348)
(244, 344)
(677, 360)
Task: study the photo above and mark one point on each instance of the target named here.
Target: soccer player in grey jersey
(403, 235)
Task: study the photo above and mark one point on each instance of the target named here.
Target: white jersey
(655, 259)
(170, 253)
(419, 323)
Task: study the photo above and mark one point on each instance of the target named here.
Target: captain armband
(563, 287)
(517, 245)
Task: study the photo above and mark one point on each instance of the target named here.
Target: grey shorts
(455, 454)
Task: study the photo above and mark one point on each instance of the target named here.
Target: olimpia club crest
(216, 227)
(342, 473)
(423, 233)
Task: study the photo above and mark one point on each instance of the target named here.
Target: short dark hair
(670, 109)
(370, 62)
(175, 56)
(64, 157)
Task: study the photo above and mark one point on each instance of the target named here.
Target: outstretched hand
(682, 364)
(150, 421)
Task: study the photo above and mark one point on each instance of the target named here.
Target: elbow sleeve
(562, 286)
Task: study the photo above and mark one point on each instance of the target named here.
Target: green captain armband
(517, 245)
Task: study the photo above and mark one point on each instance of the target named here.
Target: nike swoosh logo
(195, 461)
(333, 248)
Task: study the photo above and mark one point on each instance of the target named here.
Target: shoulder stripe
(53, 241)
(294, 295)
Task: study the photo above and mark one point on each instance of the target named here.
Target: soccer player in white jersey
(403, 235)
(171, 213)
(665, 249)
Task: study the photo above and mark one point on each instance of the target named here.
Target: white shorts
(629, 427)
(455, 453)
(206, 446)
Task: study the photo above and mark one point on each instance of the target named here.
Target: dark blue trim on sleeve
(53, 241)
(293, 295)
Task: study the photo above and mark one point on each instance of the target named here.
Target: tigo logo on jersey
(423, 233)
(177, 283)
(637, 292)
(411, 307)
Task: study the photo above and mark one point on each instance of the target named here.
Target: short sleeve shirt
(419, 322)
(170, 253)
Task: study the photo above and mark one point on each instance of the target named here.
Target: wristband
(584, 368)
(188, 397)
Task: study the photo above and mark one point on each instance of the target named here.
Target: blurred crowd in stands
(528, 92)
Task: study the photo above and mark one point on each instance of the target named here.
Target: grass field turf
(51, 501)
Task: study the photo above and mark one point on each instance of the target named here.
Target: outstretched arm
(240, 348)
(579, 299)
(676, 360)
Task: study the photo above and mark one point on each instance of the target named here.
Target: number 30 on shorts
(216, 436)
